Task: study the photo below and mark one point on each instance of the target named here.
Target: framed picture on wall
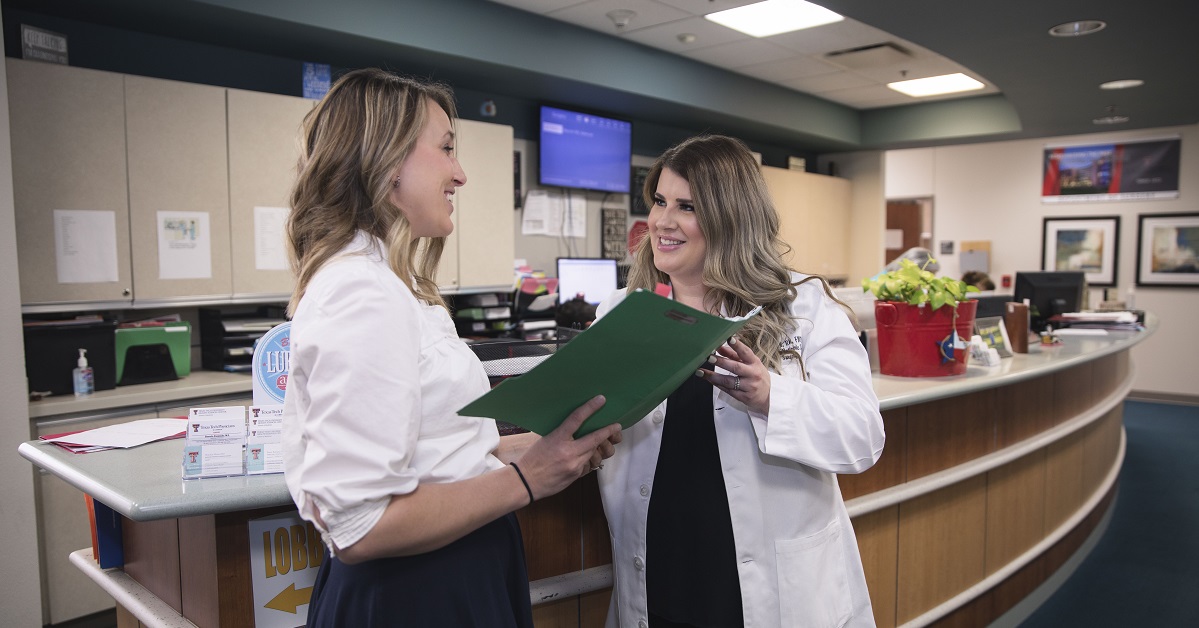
(1168, 250)
(1090, 244)
(636, 203)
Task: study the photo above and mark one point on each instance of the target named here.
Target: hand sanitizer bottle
(82, 376)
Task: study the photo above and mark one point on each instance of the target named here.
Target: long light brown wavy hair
(351, 146)
(743, 262)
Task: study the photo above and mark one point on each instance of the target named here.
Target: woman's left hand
(749, 381)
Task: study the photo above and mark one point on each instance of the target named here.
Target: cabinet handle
(126, 292)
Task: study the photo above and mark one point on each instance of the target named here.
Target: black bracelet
(523, 481)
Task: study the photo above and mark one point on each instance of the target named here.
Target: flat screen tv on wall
(584, 151)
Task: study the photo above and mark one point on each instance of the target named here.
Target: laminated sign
(272, 361)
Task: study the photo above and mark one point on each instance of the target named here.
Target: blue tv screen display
(585, 151)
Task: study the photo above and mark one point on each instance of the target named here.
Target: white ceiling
(797, 60)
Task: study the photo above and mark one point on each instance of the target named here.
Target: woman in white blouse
(413, 501)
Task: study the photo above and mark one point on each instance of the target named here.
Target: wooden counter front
(988, 483)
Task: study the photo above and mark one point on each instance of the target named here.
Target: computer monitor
(990, 305)
(1050, 293)
(594, 278)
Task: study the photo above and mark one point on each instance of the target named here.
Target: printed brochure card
(264, 440)
(216, 440)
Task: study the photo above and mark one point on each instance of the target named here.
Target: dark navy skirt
(479, 580)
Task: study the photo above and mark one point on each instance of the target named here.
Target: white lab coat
(797, 556)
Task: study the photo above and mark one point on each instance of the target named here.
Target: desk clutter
(227, 336)
(117, 353)
(229, 441)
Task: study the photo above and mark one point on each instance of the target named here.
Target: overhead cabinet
(134, 190)
(480, 252)
(814, 215)
(178, 190)
(68, 146)
(263, 154)
(181, 191)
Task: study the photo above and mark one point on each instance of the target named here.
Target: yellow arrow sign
(289, 598)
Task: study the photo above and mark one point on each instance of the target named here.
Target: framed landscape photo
(1168, 250)
(1090, 244)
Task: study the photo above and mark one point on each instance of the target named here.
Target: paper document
(129, 434)
(635, 356)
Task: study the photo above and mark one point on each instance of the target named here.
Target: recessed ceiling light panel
(1122, 84)
(936, 85)
(1111, 120)
(772, 17)
(1078, 29)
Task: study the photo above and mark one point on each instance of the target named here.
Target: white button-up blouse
(376, 379)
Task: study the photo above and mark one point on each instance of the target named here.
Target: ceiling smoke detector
(621, 18)
(1111, 117)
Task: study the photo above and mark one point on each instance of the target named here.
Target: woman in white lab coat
(723, 502)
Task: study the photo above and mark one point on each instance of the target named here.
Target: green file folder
(635, 356)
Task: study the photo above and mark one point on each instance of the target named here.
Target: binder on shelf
(108, 547)
(635, 356)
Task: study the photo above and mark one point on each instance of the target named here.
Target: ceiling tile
(704, 7)
(665, 36)
(739, 54)
(836, 36)
(793, 60)
(827, 82)
(790, 68)
(594, 14)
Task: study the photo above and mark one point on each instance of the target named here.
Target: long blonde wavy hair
(351, 145)
(743, 262)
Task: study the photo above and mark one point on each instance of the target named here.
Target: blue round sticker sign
(272, 359)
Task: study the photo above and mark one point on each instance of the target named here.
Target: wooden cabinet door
(830, 201)
(68, 147)
(263, 153)
(178, 172)
(484, 206)
(813, 218)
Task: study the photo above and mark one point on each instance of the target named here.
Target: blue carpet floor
(1144, 570)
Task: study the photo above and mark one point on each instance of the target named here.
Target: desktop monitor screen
(594, 278)
(1050, 293)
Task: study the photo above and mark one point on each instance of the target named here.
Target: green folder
(635, 356)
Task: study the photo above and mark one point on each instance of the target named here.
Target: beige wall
(20, 597)
(992, 192)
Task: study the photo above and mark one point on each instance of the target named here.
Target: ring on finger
(736, 382)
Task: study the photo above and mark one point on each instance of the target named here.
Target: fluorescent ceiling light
(772, 17)
(935, 85)
(1122, 84)
(1077, 29)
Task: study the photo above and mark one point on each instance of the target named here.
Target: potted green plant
(924, 321)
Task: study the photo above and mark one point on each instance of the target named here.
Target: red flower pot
(917, 341)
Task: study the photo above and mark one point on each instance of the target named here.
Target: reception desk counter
(989, 482)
